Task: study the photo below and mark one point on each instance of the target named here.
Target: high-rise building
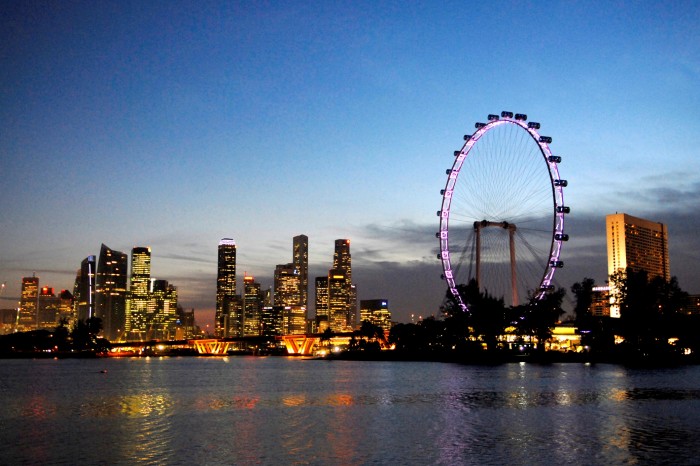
(286, 284)
(27, 319)
(321, 303)
(341, 258)
(186, 325)
(338, 300)
(110, 292)
(48, 309)
(162, 310)
(376, 312)
(84, 289)
(636, 244)
(253, 305)
(271, 321)
(293, 320)
(139, 298)
(300, 259)
(66, 312)
(228, 319)
(342, 294)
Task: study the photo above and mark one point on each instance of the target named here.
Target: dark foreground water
(245, 410)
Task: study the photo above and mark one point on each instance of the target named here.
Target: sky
(174, 124)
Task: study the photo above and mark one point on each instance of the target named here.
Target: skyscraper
(300, 260)
(162, 310)
(252, 304)
(321, 303)
(342, 294)
(287, 285)
(226, 290)
(28, 305)
(84, 289)
(341, 257)
(338, 300)
(48, 309)
(110, 292)
(636, 244)
(137, 305)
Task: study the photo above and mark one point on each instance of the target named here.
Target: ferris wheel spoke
(502, 209)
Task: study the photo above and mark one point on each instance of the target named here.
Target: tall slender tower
(342, 294)
(341, 257)
(301, 263)
(321, 303)
(28, 305)
(137, 308)
(110, 292)
(225, 288)
(84, 289)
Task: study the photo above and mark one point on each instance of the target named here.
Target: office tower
(321, 303)
(271, 321)
(286, 285)
(66, 311)
(110, 292)
(338, 300)
(376, 312)
(301, 263)
(341, 258)
(137, 304)
(162, 310)
(27, 319)
(252, 306)
(636, 244)
(225, 287)
(342, 294)
(47, 311)
(186, 326)
(287, 282)
(84, 289)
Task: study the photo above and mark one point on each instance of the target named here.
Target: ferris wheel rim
(559, 208)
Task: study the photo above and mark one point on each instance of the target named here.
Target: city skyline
(130, 124)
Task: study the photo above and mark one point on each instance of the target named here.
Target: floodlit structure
(637, 244)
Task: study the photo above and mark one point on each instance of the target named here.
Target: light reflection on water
(289, 411)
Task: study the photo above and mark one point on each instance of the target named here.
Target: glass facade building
(228, 319)
(110, 292)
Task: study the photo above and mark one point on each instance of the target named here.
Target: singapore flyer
(502, 214)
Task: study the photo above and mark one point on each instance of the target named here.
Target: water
(245, 410)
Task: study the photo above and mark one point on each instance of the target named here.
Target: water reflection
(282, 411)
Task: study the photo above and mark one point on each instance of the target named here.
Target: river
(278, 411)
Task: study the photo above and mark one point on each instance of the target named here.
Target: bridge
(300, 344)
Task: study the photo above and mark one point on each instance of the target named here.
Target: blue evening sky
(173, 124)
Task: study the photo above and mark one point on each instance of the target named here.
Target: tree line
(654, 325)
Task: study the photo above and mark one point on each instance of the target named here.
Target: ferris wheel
(502, 213)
